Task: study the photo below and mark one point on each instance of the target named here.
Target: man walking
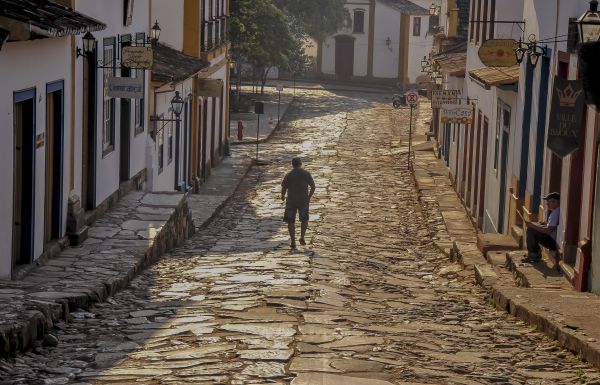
(543, 233)
(296, 184)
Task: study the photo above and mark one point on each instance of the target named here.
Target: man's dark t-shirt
(297, 182)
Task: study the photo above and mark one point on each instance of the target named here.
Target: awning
(453, 64)
(172, 66)
(496, 76)
(31, 19)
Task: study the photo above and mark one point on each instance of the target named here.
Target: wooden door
(54, 161)
(344, 57)
(24, 178)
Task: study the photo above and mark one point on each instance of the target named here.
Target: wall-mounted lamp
(388, 43)
(4, 35)
(434, 10)
(155, 33)
(89, 43)
(589, 24)
(177, 104)
(533, 50)
(425, 64)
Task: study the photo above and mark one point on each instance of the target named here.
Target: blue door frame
(541, 134)
(26, 236)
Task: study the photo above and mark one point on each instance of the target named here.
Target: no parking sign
(412, 98)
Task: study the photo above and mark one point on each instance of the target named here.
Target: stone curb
(499, 288)
(43, 313)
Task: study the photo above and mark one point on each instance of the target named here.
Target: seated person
(543, 233)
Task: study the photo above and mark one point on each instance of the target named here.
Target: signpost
(137, 57)
(441, 97)
(259, 109)
(125, 88)
(209, 87)
(498, 52)
(279, 88)
(456, 114)
(412, 98)
(566, 116)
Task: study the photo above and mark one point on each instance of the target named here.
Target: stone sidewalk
(128, 238)
(268, 121)
(535, 294)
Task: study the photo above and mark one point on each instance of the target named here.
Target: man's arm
(542, 228)
(311, 183)
(283, 191)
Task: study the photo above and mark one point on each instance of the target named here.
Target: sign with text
(279, 87)
(209, 87)
(137, 57)
(498, 52)
(125, 88)
(456, 114)
(566, 116)
(441, 97)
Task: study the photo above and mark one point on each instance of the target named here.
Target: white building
(37, 68)
(385, 42)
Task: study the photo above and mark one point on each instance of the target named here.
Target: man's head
(552, 200)
(296, 162)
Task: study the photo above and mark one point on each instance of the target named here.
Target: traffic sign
(279, 87)
(412, 98)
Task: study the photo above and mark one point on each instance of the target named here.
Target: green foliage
(260, 33)
(317, 18)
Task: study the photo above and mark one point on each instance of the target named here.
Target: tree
(317, 18)
(261, 35)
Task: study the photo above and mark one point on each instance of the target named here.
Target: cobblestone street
(370, 300)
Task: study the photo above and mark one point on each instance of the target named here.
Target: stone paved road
(370, 301)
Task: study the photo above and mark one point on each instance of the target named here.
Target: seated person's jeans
(535, 239)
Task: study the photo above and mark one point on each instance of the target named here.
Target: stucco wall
(387, 21)
(23, 60)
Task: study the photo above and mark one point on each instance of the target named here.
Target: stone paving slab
(140, 228)
(536, 294)
(119, 245)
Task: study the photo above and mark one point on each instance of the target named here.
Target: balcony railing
(213, 33)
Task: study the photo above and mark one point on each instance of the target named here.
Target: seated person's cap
(553, 195)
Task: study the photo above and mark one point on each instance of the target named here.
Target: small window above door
(359, 21)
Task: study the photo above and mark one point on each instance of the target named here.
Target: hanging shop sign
(456, 114)
(441, 97)
(125, 88)
(498, 53)
(137, 57)
(209, 87)
(566, 116)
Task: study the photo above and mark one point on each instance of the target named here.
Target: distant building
(385, 43)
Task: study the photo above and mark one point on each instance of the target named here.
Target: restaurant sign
(441, 97)
(498, 53)
(137, 57)
(456, 114)
(566, 116)
(125, 88)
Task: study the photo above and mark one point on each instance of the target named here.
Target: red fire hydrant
(240, 130)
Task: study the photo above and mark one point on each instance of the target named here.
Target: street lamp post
(589, 24)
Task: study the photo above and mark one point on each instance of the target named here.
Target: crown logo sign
(568, 96)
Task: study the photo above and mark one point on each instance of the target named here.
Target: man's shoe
(531, 258)
(293, 245)
(302, 242)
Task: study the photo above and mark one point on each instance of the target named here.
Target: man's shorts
(289, 215)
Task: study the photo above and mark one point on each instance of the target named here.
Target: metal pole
(278, 106)
(410, 135)
(257, 129)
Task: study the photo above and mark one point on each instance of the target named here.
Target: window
(170, 141)
(108, 116)
(160, 140)
(477, 25)
(472, 29)
(140, 38)
(492, 18)
(359, 21)
(485, 18)
(417, 26)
